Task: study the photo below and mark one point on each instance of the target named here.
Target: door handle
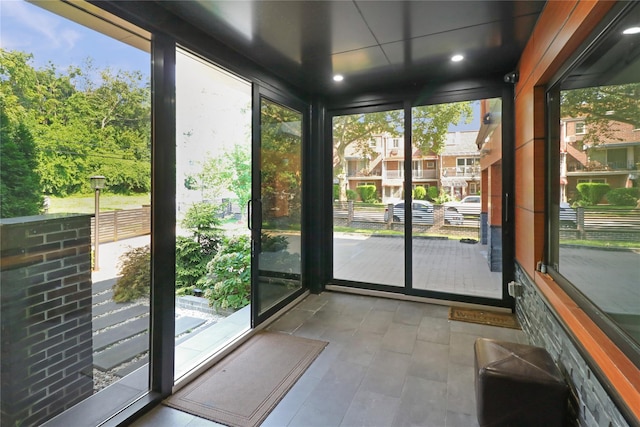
(506, 207)
(249, 206)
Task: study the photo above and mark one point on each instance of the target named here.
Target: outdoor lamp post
(97, 182)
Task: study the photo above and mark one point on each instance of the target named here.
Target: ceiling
(373, 44)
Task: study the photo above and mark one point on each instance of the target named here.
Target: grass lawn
(108, 202)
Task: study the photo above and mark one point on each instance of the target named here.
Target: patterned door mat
(484, 317)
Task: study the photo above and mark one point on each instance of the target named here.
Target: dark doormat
(484, 317)
(243, 388)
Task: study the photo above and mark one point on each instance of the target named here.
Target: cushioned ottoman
(518, 385)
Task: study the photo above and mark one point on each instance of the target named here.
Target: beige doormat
(243, 388)
(492, 318)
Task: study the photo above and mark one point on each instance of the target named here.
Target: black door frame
(289, 101)
(463, 91)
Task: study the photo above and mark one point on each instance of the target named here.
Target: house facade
(456, 170)
(611, 159)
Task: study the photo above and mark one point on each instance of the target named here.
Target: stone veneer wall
(494, 252)
(589, 403)
(45, 315)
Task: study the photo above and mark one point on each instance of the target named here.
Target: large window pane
(368, 207)
(451, 224)
(213, 178)
(597, 215)
(279, 261)
(75, 257)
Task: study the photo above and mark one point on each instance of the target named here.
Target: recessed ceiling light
(457, 58)
(632, 30)
(338, 78)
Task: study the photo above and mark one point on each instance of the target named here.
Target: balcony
(415, 174)
(462, 171)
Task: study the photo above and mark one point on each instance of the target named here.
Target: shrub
(432, 193)
(228, 281)
(624, 196)
(419, 193)
(592, 192)
(202, 220)
(135, 269)
(368, 193)
(336, 191)
(270, 243)
(351, 195)
(194, 253)
(191, 261)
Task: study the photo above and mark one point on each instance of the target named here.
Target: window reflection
(599, 188)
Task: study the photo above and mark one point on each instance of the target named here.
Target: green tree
(20, 192)
(600, 107)
(84, 122)
(430, 125)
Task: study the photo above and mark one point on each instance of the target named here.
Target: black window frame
(615, 333)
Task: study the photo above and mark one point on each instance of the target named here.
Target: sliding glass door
(276, 208)
(420, 212)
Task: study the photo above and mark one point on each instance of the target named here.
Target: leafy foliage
(191, 262)
(135, 271)
(84, 122)
(270, 243)
(20, 192)
(419, 193)
(368, 193)
(432, 192)
(624, 196)
(352, 195)
(592, 192)
(228, 282)
(601, 107)
(429, 129)
(194, 253)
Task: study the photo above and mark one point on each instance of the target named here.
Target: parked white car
(470, 205)
(423, 213)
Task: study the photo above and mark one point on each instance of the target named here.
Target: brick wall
(45, 279)
(589, 403)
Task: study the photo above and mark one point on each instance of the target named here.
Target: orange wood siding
(561, 28)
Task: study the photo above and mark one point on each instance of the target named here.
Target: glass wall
(279, 239)
(75, 206)
(213, 178)
(596, 215)
(455, 241)
(368, 198)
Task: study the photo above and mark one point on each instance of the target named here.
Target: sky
(50, 38)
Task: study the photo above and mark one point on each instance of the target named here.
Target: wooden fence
(122, 224)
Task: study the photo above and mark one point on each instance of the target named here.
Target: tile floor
(388, 363)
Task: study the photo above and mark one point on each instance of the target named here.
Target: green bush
(432, 193)
(368, 193)
(419, 193)
(592, 192)
(269, 243)
(623, 196)
(191, 261)
(336, 191)
(194, 253)
(351, 195)
(228, 281)
(135, 269)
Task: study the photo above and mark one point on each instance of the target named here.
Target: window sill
(619, 371)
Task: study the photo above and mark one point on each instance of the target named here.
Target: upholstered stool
(518, 385)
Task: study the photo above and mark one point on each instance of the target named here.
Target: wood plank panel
(524, 118)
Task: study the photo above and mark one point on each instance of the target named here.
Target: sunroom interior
(298, 70)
